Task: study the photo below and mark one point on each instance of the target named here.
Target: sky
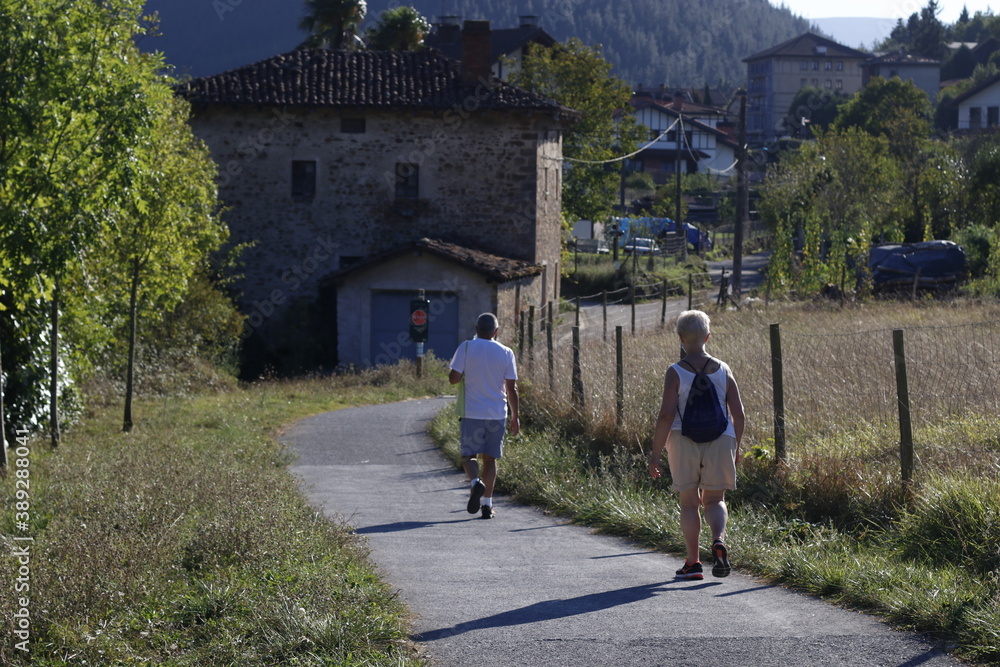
(891, 9)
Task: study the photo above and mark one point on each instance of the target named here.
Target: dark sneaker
(487, 512)
(477, 492)
(692, 571)
(721, 554)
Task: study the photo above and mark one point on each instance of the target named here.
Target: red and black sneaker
(690, 571)
(721, 555)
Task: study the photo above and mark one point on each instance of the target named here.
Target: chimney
(678, 100)
(477, 51)
(449, 29)
(529, 21)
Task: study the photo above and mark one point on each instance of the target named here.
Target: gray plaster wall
(409, 272)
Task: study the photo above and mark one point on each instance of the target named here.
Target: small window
(352, 125)
(816, 64)
(840, 84)
(975, 117)
(303, 179)
(829, 83)
(803, 83)
(407, 180)
(804, 64)
(840, 67)
(992, 116)
(828, 65)
(815, 83)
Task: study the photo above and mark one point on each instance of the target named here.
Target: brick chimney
(477, 51)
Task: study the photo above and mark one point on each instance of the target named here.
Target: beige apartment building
(775, 75)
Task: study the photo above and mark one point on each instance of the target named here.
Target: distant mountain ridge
(680, 43)
(856, 32)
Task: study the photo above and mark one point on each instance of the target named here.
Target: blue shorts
(482, 436)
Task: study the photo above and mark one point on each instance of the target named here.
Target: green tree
(814, 108)
(579, 77)
(836, 195)
(333, 24)
(72, 107)
(398, 29)
(170, 225)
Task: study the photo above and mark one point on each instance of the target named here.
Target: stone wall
(483, 178)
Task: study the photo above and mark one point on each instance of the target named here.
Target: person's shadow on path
(553, 609)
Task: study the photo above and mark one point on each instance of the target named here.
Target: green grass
(592, 274)
(187, 542)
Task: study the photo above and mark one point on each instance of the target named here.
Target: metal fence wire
(834, 385)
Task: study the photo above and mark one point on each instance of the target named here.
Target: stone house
(334, 164)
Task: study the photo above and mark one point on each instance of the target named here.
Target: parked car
(938, 265)
(598, 246)
(641, 246)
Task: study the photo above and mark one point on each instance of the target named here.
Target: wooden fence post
(520, 336)
(619, 379)
(663, 306)
(778, 385)
(578, 311)
(903, 395)
(531, 340)
(604, 309)
(548, 333)
(577, 371)
(631, 293)
(690, 290)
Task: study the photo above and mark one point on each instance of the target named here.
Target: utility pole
(678, 224)
(742, 196)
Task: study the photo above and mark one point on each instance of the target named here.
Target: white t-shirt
(485, 365)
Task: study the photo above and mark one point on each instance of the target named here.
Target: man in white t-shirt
(489, 372)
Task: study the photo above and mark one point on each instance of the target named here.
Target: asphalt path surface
(651, 314)
(527, 588)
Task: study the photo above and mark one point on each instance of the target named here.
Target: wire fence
(837, 390)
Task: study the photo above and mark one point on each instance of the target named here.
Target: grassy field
(835, 519)
(187, 542)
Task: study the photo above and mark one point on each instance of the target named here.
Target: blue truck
(655, 228)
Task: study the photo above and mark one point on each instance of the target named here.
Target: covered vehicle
(930, 265)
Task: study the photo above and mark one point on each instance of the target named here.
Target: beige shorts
(709, 465)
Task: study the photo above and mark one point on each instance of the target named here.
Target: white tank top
(719, 378)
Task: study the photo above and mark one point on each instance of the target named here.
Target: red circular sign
(419, 318)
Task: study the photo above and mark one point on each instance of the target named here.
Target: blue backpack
(703, 419)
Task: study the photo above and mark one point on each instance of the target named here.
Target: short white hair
(693, 324)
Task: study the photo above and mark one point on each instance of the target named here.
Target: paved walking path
(527, 589)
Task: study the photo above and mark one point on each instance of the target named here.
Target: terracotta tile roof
(382, 79)
(496, 268)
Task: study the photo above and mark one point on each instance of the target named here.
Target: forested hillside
(675, 42)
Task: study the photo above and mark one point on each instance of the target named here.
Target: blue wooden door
(390, 318)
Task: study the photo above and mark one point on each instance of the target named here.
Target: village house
(979, 107)
(776, 74)
(925, 73)
(359, 178)
(508, 46)
(690, 137)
